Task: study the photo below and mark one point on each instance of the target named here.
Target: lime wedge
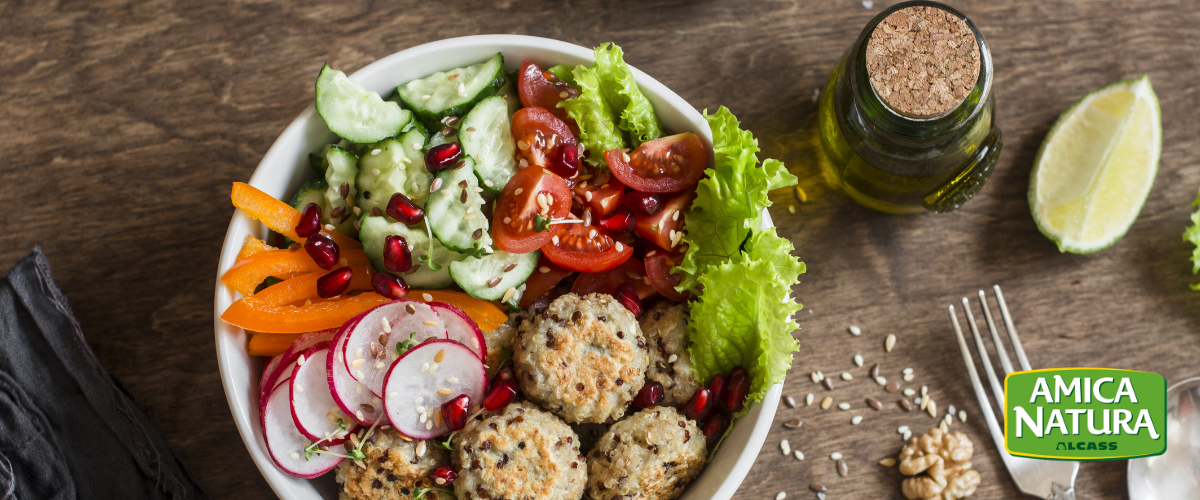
(1096, 166)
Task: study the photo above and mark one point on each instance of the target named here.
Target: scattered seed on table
(889, 342)
(858, 360)
(907, 371)
(798, 454)
(908, 377)
(781, 495)
(828, 382)
(917, 400)
(847, 376)
(874, 403)
(887, 462)
(932, 408)
(950, 410)
(909, 392)
(808, 400)
(792, 424)
(817, 488)
(948, 419)
(855, 420)
(875, 370)
(962, 415)
(893, 386)
(907, 435)
(856, 331)
(786, 447)
(881, 380)
(944, 427)
(905, 405)
(843, 406)
(826, 403)
(902, 429)
(790, 401)
(837, 455)
(924, 390)
(817, 377)
(842, 468)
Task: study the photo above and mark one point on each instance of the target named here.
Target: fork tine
(1012, 330)
(991, 324)
(997, 391)
(985, 406)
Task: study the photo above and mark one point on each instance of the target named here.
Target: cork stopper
(922, 61)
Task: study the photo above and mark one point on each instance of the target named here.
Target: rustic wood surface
(125, 123)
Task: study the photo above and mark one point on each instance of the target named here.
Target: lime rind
(1141, 90)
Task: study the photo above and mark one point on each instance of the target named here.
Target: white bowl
(285, 167)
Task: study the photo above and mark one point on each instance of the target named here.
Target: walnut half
(945, 459)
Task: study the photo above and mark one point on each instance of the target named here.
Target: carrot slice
(485, 314)
(255, 314)
(246, 275)
(277, 215)
(253, 246)
(305, 287)
(269, 344)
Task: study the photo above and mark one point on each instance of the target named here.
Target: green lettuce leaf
(729, 200)
(744, 318)
(1192, 235)
(635, 113)
(563, 72)
(597, 126)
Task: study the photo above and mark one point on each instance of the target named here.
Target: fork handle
(1058, 492)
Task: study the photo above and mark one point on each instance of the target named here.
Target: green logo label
(1085, 414)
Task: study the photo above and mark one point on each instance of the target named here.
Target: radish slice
(350, 395)
(286, 443)
(313, 408)
(462, 328)
(277, 370)
(422, 324)
(413, 402)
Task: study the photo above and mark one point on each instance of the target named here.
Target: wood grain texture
(125, 123)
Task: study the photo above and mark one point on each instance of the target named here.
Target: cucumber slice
(510, 93)
(397, 168)
(311, 192)
(486, 135)
(355, 114)
(452, 93)
(477, 276)
(341, 168)
(457, 218)
(437, 140)
(376, 229)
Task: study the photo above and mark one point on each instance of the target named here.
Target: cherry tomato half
(587, 249)
(632, 271)
(665, 165)
(544, 278)
(662, 227)
(538, 135)
(658, 272)
(541, 89)
(513, 220)
(603, 199)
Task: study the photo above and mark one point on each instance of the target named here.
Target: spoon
(1173, 474)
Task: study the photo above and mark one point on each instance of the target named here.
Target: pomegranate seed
(642, 203)
(443, 156)
(619, 221)
(505, 374)
(323, 250)
(629, 298)
(402, 209)
(739, 385)
(565, 162)
(389, 285)
(310, 221)
(396, 256)
(700, 405)
(717, 386)
(334, 283)
(443, 475)
(500, 395)
(651, 395)
(455, 412)
(714, 428)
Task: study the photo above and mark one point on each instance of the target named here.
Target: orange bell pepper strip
(269, 344)
(277, 215)
(253, 246)
(305, 287)
(247, 274)
(485, 314)
(252, 313)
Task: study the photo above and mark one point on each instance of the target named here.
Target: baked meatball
(392, 469)
(665, 328)
(522, 453)
(583, 358)
(652, 455)
(500, 339)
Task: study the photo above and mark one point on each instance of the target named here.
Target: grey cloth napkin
(68, 429)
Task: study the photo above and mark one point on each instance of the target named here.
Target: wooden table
(123, 126)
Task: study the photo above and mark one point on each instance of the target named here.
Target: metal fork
(1053, 480)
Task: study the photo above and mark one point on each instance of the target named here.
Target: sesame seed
(357, 363)
(423, 418)
(787, 448)
(555, 239)
(587, 195)
(620, 247)
(858, 360)
(962, 415)
(673, 358)
(424, 368)
(817, 377)
(889, 342)
(330, 227)
(416, 146)
(625, 156)
(519, 191)
(358, 388)
(421, 449)
(592, 233)
(909, 392)
(429, 425)
(844, 406)
(857, 419)
(835, 455)
(808, 400)
(437, 184)
(462, 90)
(426, 97)
(524, 163)
(452, 380)
(294, 456)
(299, 388)
(379, 365)
(856, 331)
(387, 328)
(674, 215)
(522, 145)
(444, 392)
(924, 390)
(908, 377)
(847, 376)
(375, 152)
(359, 414)
(360, 374)
(543, 269)
(433, 368)
(508, 294)
(564, 94)
(887, 462)
(907, 371)
(907, 435)
(781, 495)
(430, 323)
(799, 454)
(881, 380)
(357, 211)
